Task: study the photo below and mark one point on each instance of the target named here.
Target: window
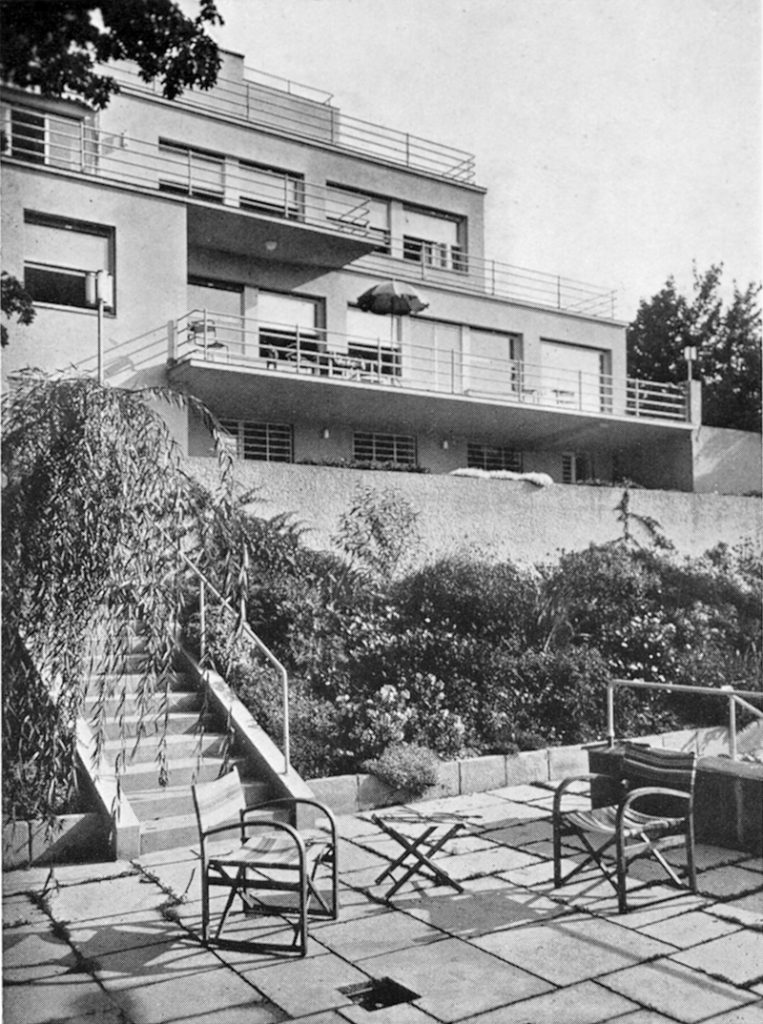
(344, 204)
(41, 138)
(575, 376)
(191, 172)
(264, 442)
(59, 253)
(494, 361)
(433, 239)
(373, 340)
(384, 448)
(488, 456)
(576, 468)
(288, 325)
(271, 190)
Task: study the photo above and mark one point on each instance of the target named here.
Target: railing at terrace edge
(294, 112)
(205, 586)
(736, 698)
(341, 358)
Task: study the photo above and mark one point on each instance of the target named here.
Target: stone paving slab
(752, 1014)
(455, 979)
(568, 951)
(369, 936)
(485, 862)
(748, 910)
(74, 996)
(729, 882)
(689, 929)
(403, 1013)
(587, 1003)
(677, 991)
(301, 987)
(534, 830)
(736, 958)
(33, 956)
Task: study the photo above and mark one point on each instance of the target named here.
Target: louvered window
(384, 448)
(488, 456)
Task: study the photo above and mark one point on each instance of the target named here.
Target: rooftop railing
(291, 349)
(299, 111)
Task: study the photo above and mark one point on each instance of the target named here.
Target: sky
(619, 140)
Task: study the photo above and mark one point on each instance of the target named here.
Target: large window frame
(493, 457)
(376, 207)
(62, 281)
(53, 140)
(375, 446)
(271, 190)
(199, 173)
(434, 238)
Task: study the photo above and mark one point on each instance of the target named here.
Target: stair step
(126, 662)
(178, 830)
(179, 745)
(177, 700)
(158, 804)
(178, 722)
(183, 771)
(131, 681)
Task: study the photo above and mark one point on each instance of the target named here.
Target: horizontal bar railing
(735, 697)
(294, 112)
(295, 349)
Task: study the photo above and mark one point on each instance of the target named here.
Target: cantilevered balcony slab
(259, 236)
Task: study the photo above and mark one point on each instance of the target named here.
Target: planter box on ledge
(74, 837)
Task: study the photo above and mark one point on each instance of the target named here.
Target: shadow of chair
(653, 803)
(271, 866)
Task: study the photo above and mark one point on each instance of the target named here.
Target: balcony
(291, 109)
(204, 341)
(233, 204)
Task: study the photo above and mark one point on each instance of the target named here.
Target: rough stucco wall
(495, 518)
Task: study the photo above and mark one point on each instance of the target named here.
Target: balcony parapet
(277, 349)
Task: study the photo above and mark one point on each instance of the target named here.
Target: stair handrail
(262, 647)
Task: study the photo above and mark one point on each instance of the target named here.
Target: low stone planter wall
(348, 794)
(74, 837)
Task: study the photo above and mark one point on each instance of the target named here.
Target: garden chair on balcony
(272, 867)
(653, 803)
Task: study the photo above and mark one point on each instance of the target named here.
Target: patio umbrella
(391, 298)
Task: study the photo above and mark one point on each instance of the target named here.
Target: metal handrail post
(610, 714)
(732, 727)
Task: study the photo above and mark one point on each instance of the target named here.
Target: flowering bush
(406, 768)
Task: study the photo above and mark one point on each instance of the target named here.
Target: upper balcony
(245, 95)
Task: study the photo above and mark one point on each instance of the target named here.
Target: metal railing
(302, 112)
(455, 268)
(344, 358)
(736, 698)
(207, 588)
(62, 143)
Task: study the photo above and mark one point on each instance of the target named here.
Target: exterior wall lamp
(325, 433)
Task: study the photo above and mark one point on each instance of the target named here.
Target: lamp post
(99, 292)
(690, 355)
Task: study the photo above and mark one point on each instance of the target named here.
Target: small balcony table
(421, 837)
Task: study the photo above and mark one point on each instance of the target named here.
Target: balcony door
(492, 366)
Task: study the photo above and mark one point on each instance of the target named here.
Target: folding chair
(271, 866)
(661, 784)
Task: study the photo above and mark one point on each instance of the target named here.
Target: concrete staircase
(196, 743)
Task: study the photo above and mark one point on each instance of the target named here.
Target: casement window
(263, 442)
(434, 239)
(289, 325)
(42, 138)
(576, 468)
(352, 207)
(488, 456)
(368, 447)
(271, 190)
(58, 255)
(191, 172)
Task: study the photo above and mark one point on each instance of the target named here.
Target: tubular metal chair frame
(266, 848)
(633, 833)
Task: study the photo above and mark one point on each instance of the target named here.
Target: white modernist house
(239, 227)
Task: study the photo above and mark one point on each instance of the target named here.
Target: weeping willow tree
(97, 504)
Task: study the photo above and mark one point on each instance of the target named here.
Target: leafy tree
(96, 501)
(56, 46)
(728, 342)
(16, 302)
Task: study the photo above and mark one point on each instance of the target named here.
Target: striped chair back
(653, 766)
(219, 802)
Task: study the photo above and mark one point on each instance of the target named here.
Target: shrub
(406, 768)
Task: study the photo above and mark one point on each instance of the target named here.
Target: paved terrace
(113, 943)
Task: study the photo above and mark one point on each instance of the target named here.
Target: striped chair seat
(604, 820)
